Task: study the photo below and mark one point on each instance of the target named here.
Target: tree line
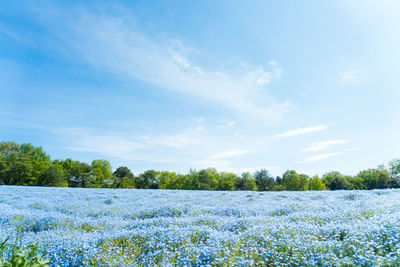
(25, 164)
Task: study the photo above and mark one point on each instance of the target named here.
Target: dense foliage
(24, 164)
(120, 227)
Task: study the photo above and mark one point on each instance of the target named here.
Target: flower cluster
(118, 227)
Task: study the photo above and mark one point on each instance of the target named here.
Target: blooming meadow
(110, 227)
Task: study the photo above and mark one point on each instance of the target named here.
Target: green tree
(192, 180)
(293, 181)
(377, 178)
(340, 183)
(168, 180)
(264, 181)
(315, 183)
(187, 182)
(334, 180)
(124, 178)
(101, 174)
(77, 173)
(245, 182)
(39, 159)
(148, 179)
(22, 164)
(208, 179)
(394, 168)
(53, 177)
(14, 168)
(226, 181)
(356, 183)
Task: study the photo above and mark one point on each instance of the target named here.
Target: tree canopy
(25, 164)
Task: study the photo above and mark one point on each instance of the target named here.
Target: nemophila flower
(158, 227)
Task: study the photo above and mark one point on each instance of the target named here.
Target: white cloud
(355, 75)
(353, 149)
(227, 124)
(229, 154)
(105, 144)
(320, 157)
(180, 140)
(318, 146)
(159, 148)
(305, 130)
(219, 160)
(273, 63)
(83, 139)
(114, 44)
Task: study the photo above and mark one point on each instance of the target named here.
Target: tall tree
(293, 181)
(15, 169)
(192, 180)
(22, 164)
(315, 183)
(77, 173)
(226, 181)
(168, 180)
(53, 176)
(208, 179)
(148, 179)
(336, 181)
(123, 178)
(39, 159)
(245, 182)
(356, 183)
(377, 178)
(101, 173)
(264, 180)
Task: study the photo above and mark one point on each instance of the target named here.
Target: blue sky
(173, 85)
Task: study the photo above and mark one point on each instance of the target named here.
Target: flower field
(105, 227)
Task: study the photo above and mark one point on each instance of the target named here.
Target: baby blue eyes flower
(82, 227)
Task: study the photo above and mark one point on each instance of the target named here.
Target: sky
(173, 85)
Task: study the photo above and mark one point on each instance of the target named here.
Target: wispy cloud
(305, 130)
(116, 45)
(229, 154)
(221, 159)
(181, 140)
(318, 146)
(354, 75)
(227, 124)
(84, 139)
(320, 157)
(353, 149)
(161, 148)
